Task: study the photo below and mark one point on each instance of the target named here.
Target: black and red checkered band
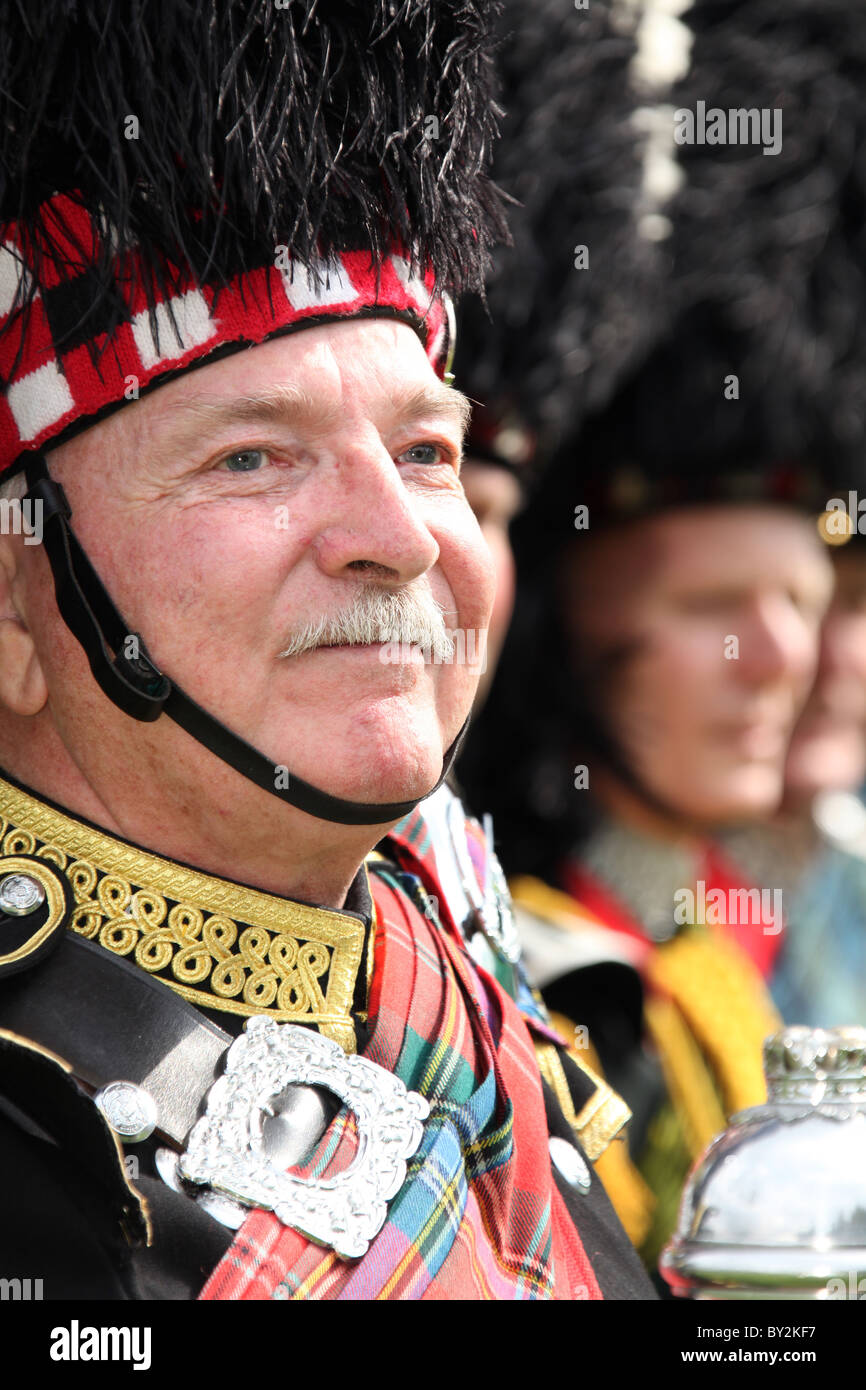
(70, 356)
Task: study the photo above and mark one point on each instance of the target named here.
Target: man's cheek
(469, 564)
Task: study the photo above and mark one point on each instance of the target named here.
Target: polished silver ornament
(776, 1207)
(21, 894)
(228, 1152)
(129, 1110)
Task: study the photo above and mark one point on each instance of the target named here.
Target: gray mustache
(407, 616)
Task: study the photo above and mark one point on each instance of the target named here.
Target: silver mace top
(776, 1207)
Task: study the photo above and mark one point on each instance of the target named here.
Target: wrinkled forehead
(68, 359)
(320, 381)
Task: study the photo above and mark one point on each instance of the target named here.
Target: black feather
(772, 248)
(258, 126)
(557, 338)
(766, 281)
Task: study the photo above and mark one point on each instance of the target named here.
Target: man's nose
(778, 642)
(370, 521)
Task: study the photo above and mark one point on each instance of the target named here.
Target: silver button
(570, 1164)
(129, 1110)
(20, 894)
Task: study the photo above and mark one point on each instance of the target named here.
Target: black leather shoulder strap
(111, 1021)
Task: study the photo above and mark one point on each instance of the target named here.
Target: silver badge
(129, 1110)
(21, 894)
(226, 1150)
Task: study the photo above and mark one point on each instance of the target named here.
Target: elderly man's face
(705, 622)
(246, 499)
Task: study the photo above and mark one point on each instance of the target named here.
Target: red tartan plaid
(63, 362)
(479, 1215)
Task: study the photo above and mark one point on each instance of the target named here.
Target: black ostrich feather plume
(767, 276)
(306, 124)
(776, 244)
(557, 338)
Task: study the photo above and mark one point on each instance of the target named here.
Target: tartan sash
(479, 1215)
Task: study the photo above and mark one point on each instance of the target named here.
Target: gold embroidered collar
(216, 943)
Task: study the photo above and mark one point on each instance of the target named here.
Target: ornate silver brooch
(225, 1150)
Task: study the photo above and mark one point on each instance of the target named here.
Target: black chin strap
(121, 665)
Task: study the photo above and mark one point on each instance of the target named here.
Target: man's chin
(381, 775)
(369, 751)
(754, 794)
(378, 790)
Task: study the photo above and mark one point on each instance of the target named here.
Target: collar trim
(219, 945)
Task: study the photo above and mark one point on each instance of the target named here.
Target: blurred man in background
(568, 309)
(816, 846)
(667, 636)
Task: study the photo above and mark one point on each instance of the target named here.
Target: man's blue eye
(245, 460)
(433, 453)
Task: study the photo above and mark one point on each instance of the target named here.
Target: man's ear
(23, 690)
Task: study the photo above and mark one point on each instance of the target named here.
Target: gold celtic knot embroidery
(221, 946)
